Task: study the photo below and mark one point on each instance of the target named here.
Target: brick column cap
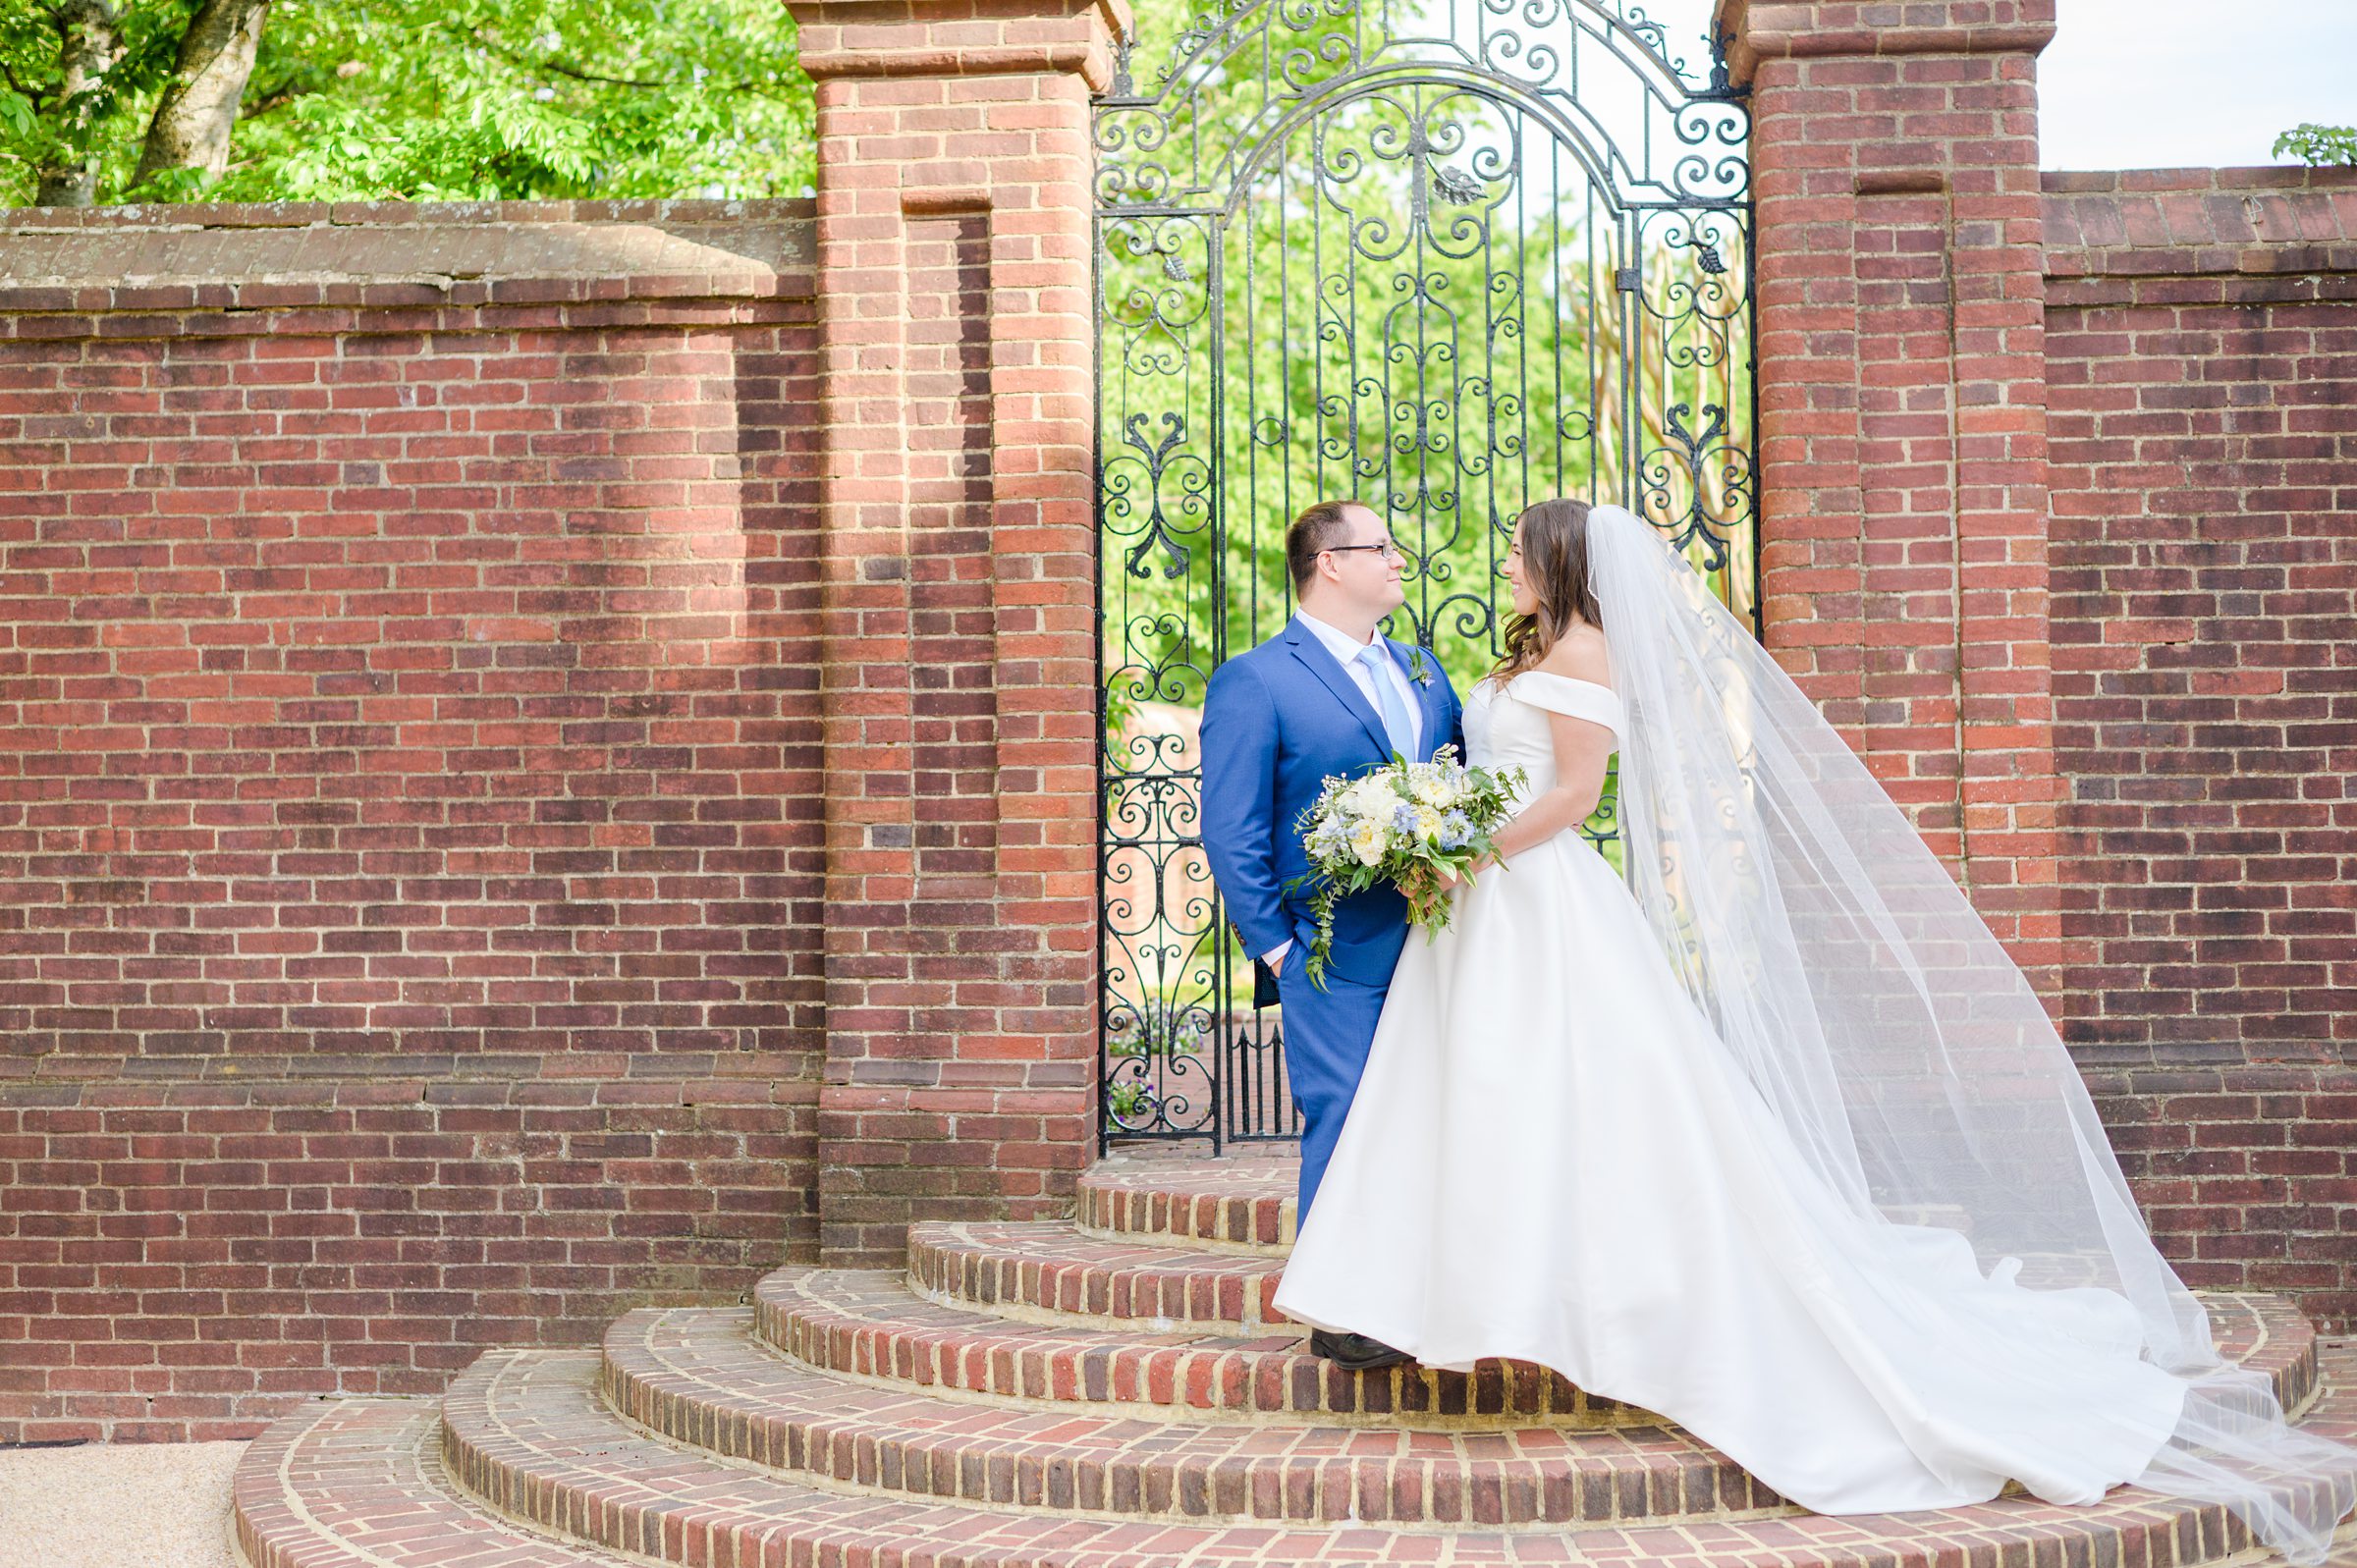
(961, 38)
(1765, 30)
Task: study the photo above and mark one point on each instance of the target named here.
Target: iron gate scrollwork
(1447, 260)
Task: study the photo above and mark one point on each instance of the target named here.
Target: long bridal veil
(1894, 1038)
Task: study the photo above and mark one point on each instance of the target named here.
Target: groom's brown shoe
(1355, 1352)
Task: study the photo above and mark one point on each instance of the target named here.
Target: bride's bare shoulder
(1579, 654)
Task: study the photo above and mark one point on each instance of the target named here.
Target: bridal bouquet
(1403, 823)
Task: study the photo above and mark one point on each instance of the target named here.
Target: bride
(1770, 1138)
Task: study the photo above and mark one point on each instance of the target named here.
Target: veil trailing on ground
(1894, 1038)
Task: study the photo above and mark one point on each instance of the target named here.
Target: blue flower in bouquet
(1456, 830)
(1331, 837)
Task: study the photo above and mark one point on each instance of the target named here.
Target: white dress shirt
(1346, 653)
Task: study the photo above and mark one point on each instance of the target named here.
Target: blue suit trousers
(1327, 1034)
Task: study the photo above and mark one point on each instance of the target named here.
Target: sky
(2168, 84)
(2171, 84)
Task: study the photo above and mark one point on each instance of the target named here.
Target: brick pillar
(954, 274)
(1902, 412)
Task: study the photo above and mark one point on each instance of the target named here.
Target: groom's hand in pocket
(1265, 972)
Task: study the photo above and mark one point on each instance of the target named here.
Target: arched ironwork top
(1652, 134)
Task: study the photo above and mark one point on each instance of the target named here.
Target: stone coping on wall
(294, 254)
(2137, 234)
(1766, 29)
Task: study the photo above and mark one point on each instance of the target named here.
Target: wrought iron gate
(1448, 258)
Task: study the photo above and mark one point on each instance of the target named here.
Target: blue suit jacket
(1277, 722)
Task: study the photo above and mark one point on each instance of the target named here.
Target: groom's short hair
(1321, 527)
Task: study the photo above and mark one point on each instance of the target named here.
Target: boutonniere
(1419, 668)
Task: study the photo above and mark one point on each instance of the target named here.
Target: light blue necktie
(1397, 723)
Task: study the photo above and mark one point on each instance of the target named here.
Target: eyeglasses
(1390, 550)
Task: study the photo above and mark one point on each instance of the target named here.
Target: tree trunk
(199, 107)
(90, 46)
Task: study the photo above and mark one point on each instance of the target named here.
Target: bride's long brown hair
(1555, 562)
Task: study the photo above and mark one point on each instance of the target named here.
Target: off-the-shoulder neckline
(1569, 680)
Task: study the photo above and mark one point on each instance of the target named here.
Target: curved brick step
(359, 1485)
(2269, 1335)
(539, 1445)
(700, 1377)
(1048, 1271)
(362, 1483)
(1234, 1202)
(868, 1324)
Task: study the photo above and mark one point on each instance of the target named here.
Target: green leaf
(2319, 145)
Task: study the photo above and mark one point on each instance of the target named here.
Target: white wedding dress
(1553, 1159)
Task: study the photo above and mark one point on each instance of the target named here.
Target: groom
(1327, 695)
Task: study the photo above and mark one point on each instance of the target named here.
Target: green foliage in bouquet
(1405, 823)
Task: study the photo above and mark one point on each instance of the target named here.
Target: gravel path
(126, 1506)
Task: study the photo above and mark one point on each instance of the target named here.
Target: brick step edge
(1239, 1202)
(699, 1377)
(868, 1324)
(565, 1462)
(1048, 1271)
(358, 1483)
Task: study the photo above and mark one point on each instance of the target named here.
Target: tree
(424, 99)
(2319, 145)
(191, 125)
(88, 48)
(70, 72)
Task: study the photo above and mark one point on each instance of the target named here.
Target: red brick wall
(547, 751)
(2058, 480)
(2201, 367)
(1902, 413)
(957, 505)
(410, 806)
